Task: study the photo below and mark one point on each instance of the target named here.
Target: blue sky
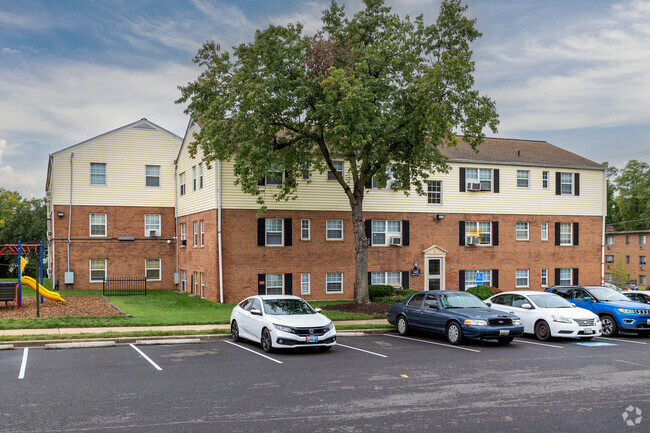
(574, 73)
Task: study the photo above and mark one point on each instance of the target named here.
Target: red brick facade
(632, 249)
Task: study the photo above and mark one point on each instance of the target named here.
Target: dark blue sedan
(456, 314)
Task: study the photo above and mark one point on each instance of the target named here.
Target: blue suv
(616, 311)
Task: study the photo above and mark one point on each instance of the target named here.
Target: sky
(575, 73)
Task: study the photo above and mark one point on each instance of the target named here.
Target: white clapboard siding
(201, 199)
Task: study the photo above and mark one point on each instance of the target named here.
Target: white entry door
(434, 274)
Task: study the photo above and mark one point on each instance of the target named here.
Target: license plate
(312, 338)
(504, 332)
(648, 322)
(588, 331)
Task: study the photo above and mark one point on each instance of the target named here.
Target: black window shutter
(575, 276)
(577, 183)
(262, 181)
(461, 281)
(495, 233)
(405, 233)
(495, 278)
(288, 284)
(261, 232)
(462, 179)
(287, 232)
(557, 233)
(261, 284)
(405, 279)
(576, 235)
(369, 278)
(461, 233)
(558, 183)
(369, 183)
(496, 179)
(557, 276)
(369, 231)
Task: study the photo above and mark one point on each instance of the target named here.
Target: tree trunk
(361, 243)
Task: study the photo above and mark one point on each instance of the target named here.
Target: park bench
(8, 292)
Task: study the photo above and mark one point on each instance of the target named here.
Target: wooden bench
(9, 292)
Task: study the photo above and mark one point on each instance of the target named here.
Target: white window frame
(183, 229)
(482, 175)
(564, 234)
(522, 278)
(195, 286)
(98, 177)
(566, 179)
(609, 258)
(202, 285)
(609, 240)
(483, 234)
(376, 230)
(183, 280)
(181, 184)
(544, 277)
(566, 281)
(545, 179)
(267, 231)
(390, 179)
(522, 232)
(97, 224)
(338, 165)
(195, 226)
(470, 277)
(194, 178)
(152, 225)
(202, 233)
(609, 277)
(389, 278)
(642, 280)
(305, 230)
(270, 179)
(147, 269)
(267, 285)
(305, 284)
(523, 178)
(642, 239)
(333, 278)
(151, 176)
(333, 229)
(91, 270)
(434, 191)
(200, 175)
(544, 231)
(642, 260)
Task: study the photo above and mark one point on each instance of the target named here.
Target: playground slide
(52, 296)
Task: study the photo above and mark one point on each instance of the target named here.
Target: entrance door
(434, 274)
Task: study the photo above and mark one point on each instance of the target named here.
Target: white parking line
(361, 350)
(256, 353)
(146, 357)
(539, 344)
(21, 375)
(433, 342)
(620, 339)
(630, 362)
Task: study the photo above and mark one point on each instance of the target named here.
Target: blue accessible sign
(479, 278)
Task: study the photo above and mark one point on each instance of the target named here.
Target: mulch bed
(372, 308)
(78, 306)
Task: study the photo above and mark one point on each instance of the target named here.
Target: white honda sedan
(281, 321)
(548, 315)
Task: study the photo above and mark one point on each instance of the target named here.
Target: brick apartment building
(630, 248)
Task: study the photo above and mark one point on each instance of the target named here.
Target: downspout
(602, 245)
(219, 231)
(176, 220)
(70, 210)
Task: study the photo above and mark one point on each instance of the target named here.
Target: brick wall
(196, 258)
(621, 250)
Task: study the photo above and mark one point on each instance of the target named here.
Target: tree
(377, 91)
(613, 214)
(27, 223)
(632, 196)
(620, 273)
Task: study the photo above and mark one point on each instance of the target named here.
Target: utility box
(68, 278)
(175, 277)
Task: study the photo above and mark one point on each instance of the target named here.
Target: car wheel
(505, 340)
(542, 331)
(267, 343)
(234, 331)
(324, 348)
(454, 333)
(610, 327)
(402, 325)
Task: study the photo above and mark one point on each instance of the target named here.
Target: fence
(124, 286)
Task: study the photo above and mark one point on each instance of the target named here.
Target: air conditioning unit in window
(473, 186)
(395, 240)
(472, 240)
(184, 242)
(643, 268)
(153, 233)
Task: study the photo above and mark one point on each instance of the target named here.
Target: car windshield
(460, 300)
(607, 294)
(284, 307)
(545, 301)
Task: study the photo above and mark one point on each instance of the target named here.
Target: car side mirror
(588, 299)
(489, 304)
(527, 306)
(256, 312)
(318, 310)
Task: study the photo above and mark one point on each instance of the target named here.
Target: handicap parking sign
(479, 278)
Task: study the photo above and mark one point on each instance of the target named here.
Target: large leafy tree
(374, 90)
(631, 199)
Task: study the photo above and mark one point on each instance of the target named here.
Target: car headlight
(476, 322)
(284, 328)
(516, 321)
(328, 327)
(561, 319)
(626, 311)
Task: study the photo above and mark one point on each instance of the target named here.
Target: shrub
(380, 291)
(399, 296)
(483, 293)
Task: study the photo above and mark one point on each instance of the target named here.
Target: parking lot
(380, 382)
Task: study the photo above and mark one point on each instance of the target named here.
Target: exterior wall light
(59, 213)
(440, 216)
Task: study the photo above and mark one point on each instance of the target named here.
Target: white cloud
(3, 146)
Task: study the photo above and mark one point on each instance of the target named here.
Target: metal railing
(124, 286)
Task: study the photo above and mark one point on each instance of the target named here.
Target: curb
(168, 341)
(79, 345)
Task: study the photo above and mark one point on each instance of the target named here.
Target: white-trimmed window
(642, 260)
(152, 175)
(97, 173)
(97, 224)
(151, 225)
(566, 277)
(97, 270)
(609, 258)
(181, 183)
(545, 179)
(386, 278)
(274, 231)
(523, 178)
(641, 239)
(195, 289)
(334, 282)
(627, 260)
(482, 175)
(522, 278)
(305, 230)
(306, 171)
(470, 277)
(609, 240)
(434, 192)
(481, 228)
(544, 231)
(334, 230)
(274, 176)
(194, 178)
(566, 234)
(522, 231)
(338, 166)
(202, 285)
(183, 281)
(390, 179)
(202, 228)
(383, 231)
(152, 269)
(196, 233)
(545, 277)
(609, 277)
(305, 284)
(566, 183)
(274, 284)
(642, 280)
(183, 234)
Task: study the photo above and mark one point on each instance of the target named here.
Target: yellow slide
(30, 282)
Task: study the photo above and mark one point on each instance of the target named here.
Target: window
(151, 224)
(152, 269)
(201, 175)
(523, 177)
(202, 228)
(627, 239)
(181, 183)
(97, 174)
(183, 281)
(97, 270)
(274, 176)
(544, 231)
(642, 260)
(274, 284)
(609, 277)
(305, 230)
(609, 240)
(522, 278)
(183, 234)
(481, 229)
(470, 277)
(196, 233)
(338, 166)
(434, 192)
(194, 178)
(566, 277)
(566, 183)
(152, 175)
(334, 283)
(334, 230)
(641, 239)
(566, 234)
(386, 278)
(97, 224)
(416, 300)
(609, 259)
(390, 180)
(382, 231)
(306, 173)
(627, 260)
(195, 283)
(305, 284)
(522, 231)
(482, 175)
(642, 280)
(544, 277)
(274, 231)
(545, 179)
(202, 285)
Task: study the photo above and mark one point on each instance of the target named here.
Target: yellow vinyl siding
(203, 198)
